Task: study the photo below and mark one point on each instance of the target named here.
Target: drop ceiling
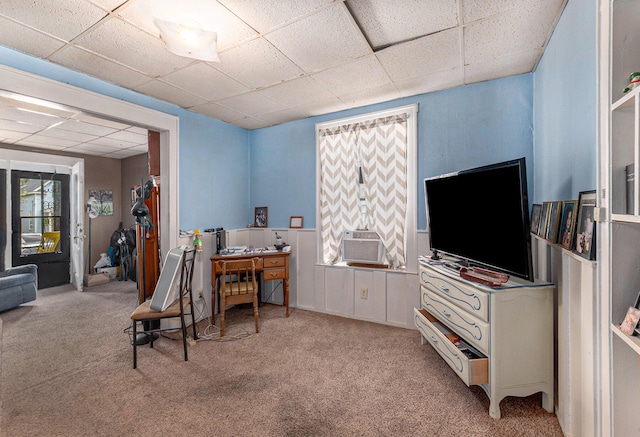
(280, 60)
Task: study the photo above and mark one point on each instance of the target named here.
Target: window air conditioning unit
(362, 247)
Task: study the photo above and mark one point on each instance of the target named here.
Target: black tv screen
(481, 216)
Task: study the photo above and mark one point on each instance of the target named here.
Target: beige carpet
(67, 371)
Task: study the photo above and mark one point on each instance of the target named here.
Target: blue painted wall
(459, 128)
(565, 112)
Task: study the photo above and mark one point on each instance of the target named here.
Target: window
(367, 179)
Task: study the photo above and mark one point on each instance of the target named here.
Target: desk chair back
(145, 314)
(238, 284)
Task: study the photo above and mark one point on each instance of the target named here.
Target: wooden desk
(273, 266)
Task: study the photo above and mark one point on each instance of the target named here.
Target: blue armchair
(18, 285)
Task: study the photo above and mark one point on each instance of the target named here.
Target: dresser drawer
(472, 370)
(273, 274)
(466, 325)
(457, 292)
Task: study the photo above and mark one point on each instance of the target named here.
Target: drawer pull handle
(434, 339)
(446, 314)
(273, 261)
(445, 289)
(274, 274)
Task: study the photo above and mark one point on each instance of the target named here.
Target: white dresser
(506, 334)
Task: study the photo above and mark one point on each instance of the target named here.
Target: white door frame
(28, 84)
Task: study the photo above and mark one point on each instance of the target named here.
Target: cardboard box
(96, 279)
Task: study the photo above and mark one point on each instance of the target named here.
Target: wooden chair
(238, 284)
(144, 314)
(49, 242)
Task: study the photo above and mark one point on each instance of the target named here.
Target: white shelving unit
(619, 258)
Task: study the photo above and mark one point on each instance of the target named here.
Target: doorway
(40, 215)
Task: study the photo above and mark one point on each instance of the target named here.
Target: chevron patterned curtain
(380, 145)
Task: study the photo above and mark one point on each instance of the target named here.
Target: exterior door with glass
(40, 215)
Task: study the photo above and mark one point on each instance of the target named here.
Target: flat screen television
(480, 217)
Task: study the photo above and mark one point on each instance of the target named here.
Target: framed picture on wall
(295, 221)
(567, 224)
(261, 217)
(544, 219)
(585, 238)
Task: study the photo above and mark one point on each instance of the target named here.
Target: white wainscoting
(577, 400)
(391, 294)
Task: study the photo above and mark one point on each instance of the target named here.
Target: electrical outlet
(364, 293)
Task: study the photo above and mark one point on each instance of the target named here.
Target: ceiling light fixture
(189, 40)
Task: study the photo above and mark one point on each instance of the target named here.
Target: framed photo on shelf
(555, 209)
(585, 238)
(630, 321)
(295, 221)
(536, 210)
(261, 217)
(567, 224)
(544, 219)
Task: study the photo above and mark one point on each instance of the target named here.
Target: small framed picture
(585, 238)
(295, 221)
(630, 321)
(567, 224)
(536, 209)
(261, 217)
(555, 209)
(544, 219)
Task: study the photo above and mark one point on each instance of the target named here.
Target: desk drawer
(460, 294)
(467, 325)
(276, 261)
(274, 274)
(473, 370)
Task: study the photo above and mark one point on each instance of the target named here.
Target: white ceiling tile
(122, 42)
(219, 112)
(510, 65)
(203, 80)
(39, 145)
(362, 73)
(322, 40)
(322, 107)
(112, 143)
(88, 118)
(257, 63)
(19, 126)
(96, 66)
(138, 130)
(298, 91)
(279, 117)
(169, 93)
(209, 15)
(423, 56)
(251, 123)
(130, 137)
(67, 135)
(93, 148)
(62, 18)
(121, 154)
(369, 96)
(253, 104)
(431, 82)
(27, 40)
(51, 141)
(267, 14)
(11, 136)
(87, 128)
(384, 22)
(512, 32)
(473, 10)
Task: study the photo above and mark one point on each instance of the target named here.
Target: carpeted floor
(67, 371)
